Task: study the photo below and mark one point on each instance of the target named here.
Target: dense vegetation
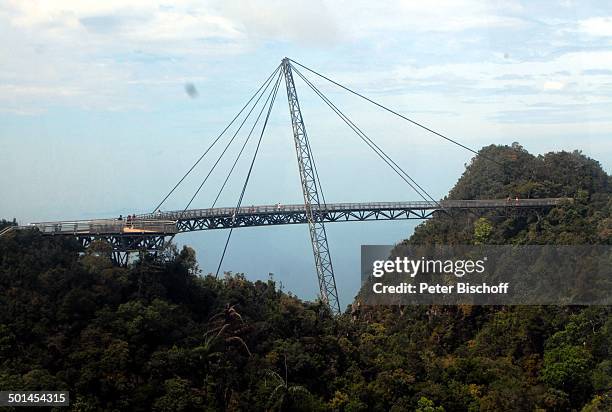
(159, 336)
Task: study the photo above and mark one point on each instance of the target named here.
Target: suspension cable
(230, 142)
(246, 182)
(396, 113)
(242, 149)
(216, 139)
(379, 151)
(314, 167)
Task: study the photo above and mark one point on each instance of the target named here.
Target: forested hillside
(501, 172)
(161, 336)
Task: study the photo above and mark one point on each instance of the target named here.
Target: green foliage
(567, 368)
(600, 403)
(160, 336)
(482, 231)
(517, 173)
(602, 376)
(426, 405)
(178, 396)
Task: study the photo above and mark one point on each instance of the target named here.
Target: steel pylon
(311, 189)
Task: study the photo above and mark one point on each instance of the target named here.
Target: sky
(105, 105)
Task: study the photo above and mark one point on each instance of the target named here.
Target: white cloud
(553, 74)
(133, 21)
(93, 54)
(321, 22)
(313, 22)
(553, 85)
(86, 53)
(596, 26)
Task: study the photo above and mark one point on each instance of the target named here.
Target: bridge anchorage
(151, 232)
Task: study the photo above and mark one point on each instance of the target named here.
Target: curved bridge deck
(223, 218)
(149, 231)
(172, 222)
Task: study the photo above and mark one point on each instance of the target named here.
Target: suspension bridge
(152, 232)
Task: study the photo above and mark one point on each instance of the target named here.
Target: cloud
(596, 26)
(327, 23)
(553, 85)
(553, 74)
(597, 72)
(555, 114)
(60, 53)
(310, 22)
(119, 21)
(103, 54)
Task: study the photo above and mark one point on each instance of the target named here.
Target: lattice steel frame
(299, 217)
(310, 189)
(123, 244)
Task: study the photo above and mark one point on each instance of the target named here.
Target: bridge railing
(336, 207)
(510, 202)
(280, 208)
(166, 222)
(107, 226)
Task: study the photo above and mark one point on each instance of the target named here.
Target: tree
(482, 231)
(568, 368)
(188, 259)
(426, 405)
(284, 396)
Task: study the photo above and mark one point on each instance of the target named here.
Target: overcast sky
(95, 118)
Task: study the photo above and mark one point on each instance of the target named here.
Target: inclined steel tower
(311, 188)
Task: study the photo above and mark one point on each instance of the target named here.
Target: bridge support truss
(123, 244)
(291, 217)
(310, 189)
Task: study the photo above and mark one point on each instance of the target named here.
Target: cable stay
(264, 84)
(241, 150)
(368, 141)
(273, 94)
(315, 204)
(316, 171)
(259, 93)
(395, 113)
(231, 140)
(148, 233)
